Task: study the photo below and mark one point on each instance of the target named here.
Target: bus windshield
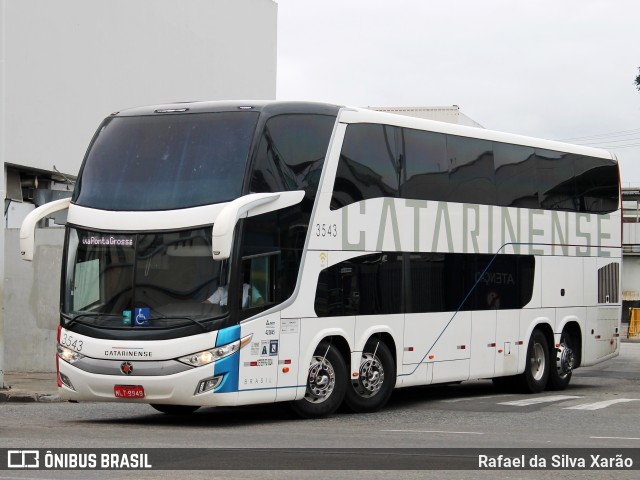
(166, 162)
(156, 280)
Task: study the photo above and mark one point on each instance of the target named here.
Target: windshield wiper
(193, 320)
(69, 320)
(75, 319)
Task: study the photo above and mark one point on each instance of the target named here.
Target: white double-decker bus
(222, 253)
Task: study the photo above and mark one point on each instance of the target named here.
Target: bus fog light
(208, 384)
(67, 383)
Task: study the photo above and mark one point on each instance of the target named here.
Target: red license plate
(128, 391)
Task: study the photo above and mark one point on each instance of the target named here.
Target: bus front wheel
(326, 384)
(371, 390)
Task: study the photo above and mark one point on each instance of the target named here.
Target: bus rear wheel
(326, 384)
(371, 390)
(175, 409)
(562, 363)
(536, 369)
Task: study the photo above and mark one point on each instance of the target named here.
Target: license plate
(128, 391)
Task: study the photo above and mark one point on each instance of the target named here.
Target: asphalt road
(600, 409)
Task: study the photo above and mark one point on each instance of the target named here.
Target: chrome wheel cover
(321, 380)
(371, 376)
(565, 360)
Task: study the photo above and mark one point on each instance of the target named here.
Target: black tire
(562, 363)
(175, 409)
(376, 380)
(326, 384)
(536, 369)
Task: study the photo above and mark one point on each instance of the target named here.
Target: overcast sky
(556, 69)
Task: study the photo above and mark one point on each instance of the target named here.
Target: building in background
(630, 251)
(66, 65)
(450, 114)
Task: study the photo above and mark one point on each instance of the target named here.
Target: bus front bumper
(184, 388)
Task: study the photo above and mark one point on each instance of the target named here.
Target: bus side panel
(419, 374)
(288, 359)
(562, 281)
(483, 343)
(312, 332)
(259, 360)
(507, 351)
(602, 340)
(566, 315)
(604, 321)
(423, 329)
(452, 351)
(436, 337)
(369, 325)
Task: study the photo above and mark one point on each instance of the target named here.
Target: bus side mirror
(28, 227)
(246, 206)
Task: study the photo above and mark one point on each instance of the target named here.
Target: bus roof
(360, 115)
(270, 107)
(363, 115)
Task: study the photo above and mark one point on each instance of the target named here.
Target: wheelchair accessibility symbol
(141, 317)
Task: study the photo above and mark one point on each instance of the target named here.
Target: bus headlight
(209, 356)
(68, 355)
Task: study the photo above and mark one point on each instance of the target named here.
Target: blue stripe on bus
(229, 366)
(228, 335)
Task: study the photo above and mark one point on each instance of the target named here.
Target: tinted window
(596, 184)
(556, 185)
(291, 153)
(435, 166)
(515, 173)
(448, 282)
(471, 176)
(366, 285)
(503, 282)
(368, 166)
(426, 165)
(166, 162)
(271, 253)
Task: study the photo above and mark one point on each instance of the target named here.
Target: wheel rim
(564, 360)
(537, 361)
(321, 380)
(371, 376)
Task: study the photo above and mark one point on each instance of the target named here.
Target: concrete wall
(32, 301)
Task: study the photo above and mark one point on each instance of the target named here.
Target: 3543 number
(326, 230)
(71, 342)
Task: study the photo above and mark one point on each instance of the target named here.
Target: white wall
(70, 63)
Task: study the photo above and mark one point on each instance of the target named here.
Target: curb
(7, 396)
